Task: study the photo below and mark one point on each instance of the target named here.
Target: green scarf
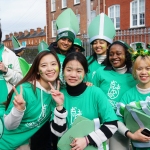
(4, 90)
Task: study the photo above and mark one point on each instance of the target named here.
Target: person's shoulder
(9, 51)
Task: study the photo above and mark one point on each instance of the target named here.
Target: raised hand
(56, 94)
(19, 102)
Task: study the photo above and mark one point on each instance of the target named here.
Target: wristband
(86, 140)
(59, 104)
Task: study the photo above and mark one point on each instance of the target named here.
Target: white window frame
(53, 30)
(53, 5)
(62, 3)
(114, 15)
(78, 17)
(76, 2)
(137, 8)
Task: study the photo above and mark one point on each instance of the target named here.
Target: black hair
(0, 35)
(128, 60)
(76, 56)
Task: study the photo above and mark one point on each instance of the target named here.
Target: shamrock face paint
(81, 77)
(40, 72)
(149, 73)
(57, 69)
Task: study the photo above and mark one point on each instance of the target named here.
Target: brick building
(30, 38)
(130, 17)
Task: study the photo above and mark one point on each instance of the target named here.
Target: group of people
(38, 108)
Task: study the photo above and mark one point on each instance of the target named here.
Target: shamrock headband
(139, 52)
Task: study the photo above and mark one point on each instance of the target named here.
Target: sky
(21, 15)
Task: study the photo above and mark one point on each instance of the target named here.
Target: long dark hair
(128, 60)
(32, 75)
(0, 34)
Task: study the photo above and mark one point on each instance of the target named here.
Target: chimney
(26, 32)
(20, 33)
(39, 30)
(15, 34)
(31, 31)
(6, 36)
(45, 29)
(10, 35)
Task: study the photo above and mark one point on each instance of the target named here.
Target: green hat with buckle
(139, 46)
(78, 43)
(42, 46)
(101, 27)
(67, 25)
(16, 44)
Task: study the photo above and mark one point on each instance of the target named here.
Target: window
(76, 1)
(114, 15)
(137, 17)
(93, 14)
(78, 17)
(54, 28)
(64, 3)
(53, 5)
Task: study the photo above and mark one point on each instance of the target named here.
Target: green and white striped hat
(67, 25)
(101, 27)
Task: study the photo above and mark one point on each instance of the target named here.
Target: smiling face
(117, 56)
(73, 73)
(64, 44)
(142, 72)
(100, 47)
(48, 70)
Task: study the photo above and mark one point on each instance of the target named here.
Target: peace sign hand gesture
(57, 95)
(19, 102)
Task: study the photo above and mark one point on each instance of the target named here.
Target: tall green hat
(139, 46)
(67, 25)
(16, 44)
(78, 43)
(101, 27)
(42, 46)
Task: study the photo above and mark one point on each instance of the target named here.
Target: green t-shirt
(91, 69)
(133, 95)
(33, 119)
(113, 84)
(92, 103)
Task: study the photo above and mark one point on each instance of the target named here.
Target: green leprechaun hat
(101, 27)
(42, 46)
(78, 43)
(16, 44)
(148, 45)
(139, 46)
(67, 25)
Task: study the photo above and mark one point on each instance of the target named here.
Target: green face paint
(57, 69)
(40, 72)
(149, 73)
(80, 77)
(123, 56)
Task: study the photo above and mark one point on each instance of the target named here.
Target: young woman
(101, 33)
(114, 80)
(141, 72)
(87, 101)
(29, 103)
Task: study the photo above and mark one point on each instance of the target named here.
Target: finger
(51, 86)
(21, 90)
(58, 85)
(15, 90)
